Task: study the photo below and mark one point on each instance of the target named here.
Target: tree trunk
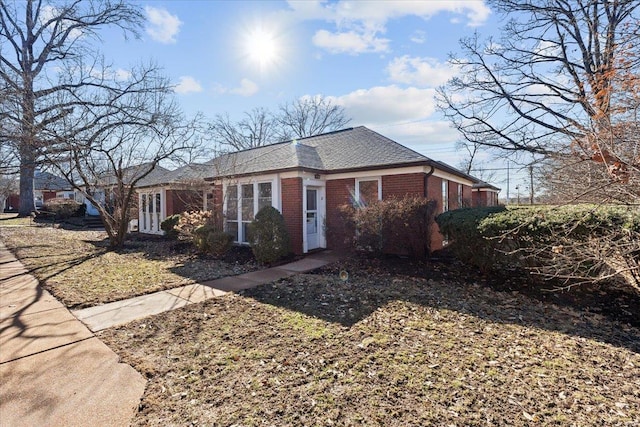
(27, 171)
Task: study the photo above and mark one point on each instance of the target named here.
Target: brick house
(309, 178)
(46, 186)
(170, 192)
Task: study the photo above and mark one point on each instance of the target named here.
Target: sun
(262, 48)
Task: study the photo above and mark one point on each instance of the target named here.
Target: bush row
(268, 234)
(574, 244)
(395, 225)
(60, 209)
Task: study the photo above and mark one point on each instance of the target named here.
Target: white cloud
(359, 23)
(406, 115)
(418, 37)
(246, 88)
(420, 71)
(350, 42)
(163, 26)
(188, 84)
(387, 104)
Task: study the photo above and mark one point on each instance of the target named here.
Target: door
(150, 212)
(313, 240)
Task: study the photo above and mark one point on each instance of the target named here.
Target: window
(243, 202)
(232, 211)
(367, 191)
(445, 195)
(264, 195)
(459, 195)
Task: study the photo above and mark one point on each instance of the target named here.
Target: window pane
(232, 204)
(312, 202)
(247, 202)
(232, 228)
(245, 232)
(312, 223)
(368, 192)
(264, 195)
(158, 204)
(144, 202)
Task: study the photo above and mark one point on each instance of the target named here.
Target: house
(484, 194)
(171, 192)
(309, 178)
(46, 186)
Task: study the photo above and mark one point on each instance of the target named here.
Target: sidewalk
(53, 370)
(120, 312)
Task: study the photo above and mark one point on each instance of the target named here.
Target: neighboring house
(171, 192)
(484, 194)
(103, 190)
(46, 186)
(309, 178)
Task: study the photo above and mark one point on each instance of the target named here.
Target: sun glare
(262, 48)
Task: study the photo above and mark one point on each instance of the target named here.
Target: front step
(93, 222)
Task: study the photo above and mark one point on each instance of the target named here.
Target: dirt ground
(426, 347)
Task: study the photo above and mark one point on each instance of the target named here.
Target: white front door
(312, 219)
(314, 207)
(150, 212)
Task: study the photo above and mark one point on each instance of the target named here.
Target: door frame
(321, 210)
(143, 220)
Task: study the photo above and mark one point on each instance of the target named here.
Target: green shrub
(572, 244)
(60, 209)
(169, 226)
(395, 225)
(268, 236)
(208, 239)
(460, 226)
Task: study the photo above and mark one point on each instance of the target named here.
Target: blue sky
(381, 61)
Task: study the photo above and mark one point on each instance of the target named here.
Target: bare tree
(38, 38)
(117, 138)
(553, 84)
(257, 128)
(309, 116)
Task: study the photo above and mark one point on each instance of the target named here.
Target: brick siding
(339, 193)
(292, 211)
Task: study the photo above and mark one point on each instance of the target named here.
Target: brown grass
(78, 269)
(382, 350)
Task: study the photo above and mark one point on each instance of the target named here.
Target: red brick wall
(338, 193)
(453, 195)
(434, 192)
(179, 201)
(467, 198)
(292, 211)
(48, 195)
(218, 205)
(402, 185)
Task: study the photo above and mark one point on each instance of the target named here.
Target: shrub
(465, 240)
(396, 225)
(169, 226)
(189, 221)
(208, 239)
(268, 236)
(60, 208)
(573, 244)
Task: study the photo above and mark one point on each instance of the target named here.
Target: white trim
(255, 181)
(366, 179)
(142, 224)
(379, 172)
(451, 177)
(321, 209)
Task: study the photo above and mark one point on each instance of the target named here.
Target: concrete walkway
(120, 312)
(53, 370)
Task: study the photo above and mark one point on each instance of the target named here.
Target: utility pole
(507, 182)
(531, 183)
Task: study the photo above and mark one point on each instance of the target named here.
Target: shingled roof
(344, 150)
(49, 182)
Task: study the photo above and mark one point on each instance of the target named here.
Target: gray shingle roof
(48, 181)
(132, 173)
(354, 148)
(183, 174)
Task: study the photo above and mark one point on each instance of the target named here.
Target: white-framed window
(242, 203)
(368, 190)
(445, 195)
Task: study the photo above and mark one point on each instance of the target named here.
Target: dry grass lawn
(77, 268)
(382, 350)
